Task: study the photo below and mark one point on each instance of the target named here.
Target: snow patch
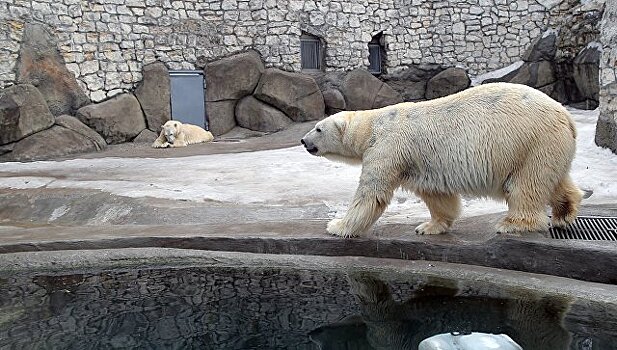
(277, 177)
(58, 213)
(478, 80)
(24, 182)
(549, 32)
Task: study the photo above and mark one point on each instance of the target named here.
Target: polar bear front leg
(180, 141)
(361, 215)
(444, 209)
(161, 141)
(371, 199)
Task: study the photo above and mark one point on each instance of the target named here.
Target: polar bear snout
(309, 146)
(169, 135)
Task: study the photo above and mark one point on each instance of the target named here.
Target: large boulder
(229, 80)
(564, 89)
(587, 74)
(233, 77)
(41, 65)
(297, 95)
(54, 142)
(146, 136)
(363, 91)
(334, 100)
(118, 120)
(221, 117)
(386, 96)
(258, 116)
(543, 48)
(330, 85)
(23, 111)
(154, 95)
(447, 82)
(410, 82)
(542, 74)
(4, 149)
(327, 80)
(75, 125)
(534, 74)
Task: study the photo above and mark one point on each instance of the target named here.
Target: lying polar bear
(505, 141)
(176, 134)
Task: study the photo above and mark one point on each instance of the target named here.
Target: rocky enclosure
(246, 89)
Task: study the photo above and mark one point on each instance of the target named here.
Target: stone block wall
(105, 43)
(606, 129)
(189, 308)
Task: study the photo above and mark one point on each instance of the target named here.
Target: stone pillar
(606, 129)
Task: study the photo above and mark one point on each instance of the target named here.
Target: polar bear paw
(506, 227)
(162, 145)
(524, 223)
(431, 228)
(336, 227)
(563, 222)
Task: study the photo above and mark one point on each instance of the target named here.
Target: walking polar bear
(176, 134)
(500, 140)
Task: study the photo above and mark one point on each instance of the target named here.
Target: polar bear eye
(318, 129)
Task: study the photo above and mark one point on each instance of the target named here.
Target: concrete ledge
(354, 290)
(583, 260)
(492, 282)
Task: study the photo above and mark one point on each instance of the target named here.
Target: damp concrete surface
(267, 195)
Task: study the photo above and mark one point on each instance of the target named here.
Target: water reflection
(387, 324)
(251, 308)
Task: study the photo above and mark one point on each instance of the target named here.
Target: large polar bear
(505, 141)
(176, 134)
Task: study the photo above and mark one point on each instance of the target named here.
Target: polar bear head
(331, 138)
(171, 130)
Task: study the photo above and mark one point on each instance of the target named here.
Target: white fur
(177, 134)
(501, 140)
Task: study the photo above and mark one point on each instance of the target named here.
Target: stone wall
(606, 129)
(106, 42)
(578, 24)
(189, 308)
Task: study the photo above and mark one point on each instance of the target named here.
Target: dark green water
(236, 308)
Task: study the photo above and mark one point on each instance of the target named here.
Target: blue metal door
(187, 97)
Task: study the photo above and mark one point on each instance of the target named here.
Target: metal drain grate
(591, 228)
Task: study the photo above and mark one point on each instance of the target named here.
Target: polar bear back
(195, 134)
(471, 142)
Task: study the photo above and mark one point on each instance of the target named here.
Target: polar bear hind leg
(565, 202)
(444, 209)
(527, 192)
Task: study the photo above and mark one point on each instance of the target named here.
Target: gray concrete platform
(235, 141)
(70, 219)
(27, 224)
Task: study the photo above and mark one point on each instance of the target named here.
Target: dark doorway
(376, 54)
(187, 97)
(310, 52)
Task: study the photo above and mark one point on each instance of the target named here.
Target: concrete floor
(52, 219)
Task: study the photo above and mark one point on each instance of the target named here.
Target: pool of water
(279, 308)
